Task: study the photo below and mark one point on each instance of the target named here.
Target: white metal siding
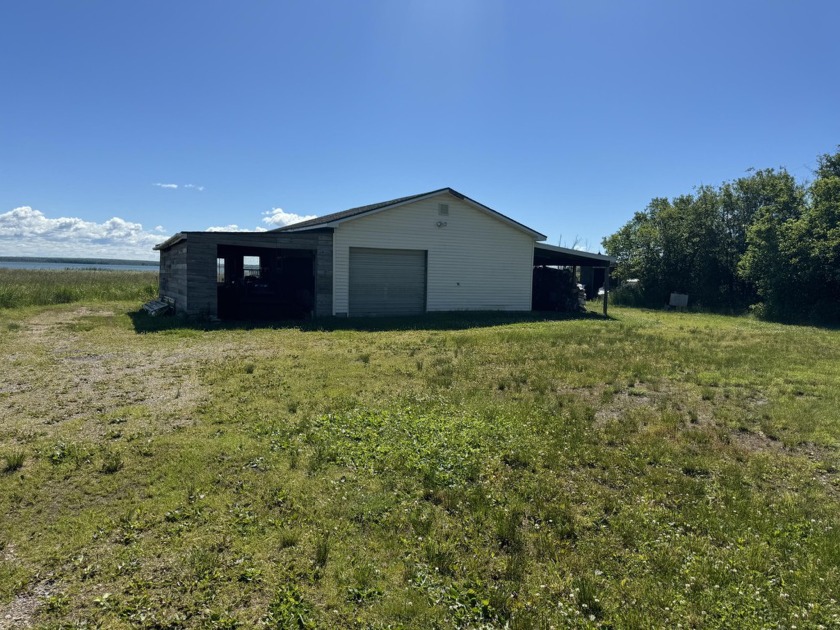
(474, 261)
(387, 281)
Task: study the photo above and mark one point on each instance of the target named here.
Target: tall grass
(38, 287)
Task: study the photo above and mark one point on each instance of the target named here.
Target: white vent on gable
(443, 209)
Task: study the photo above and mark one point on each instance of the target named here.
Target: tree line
(764, 241)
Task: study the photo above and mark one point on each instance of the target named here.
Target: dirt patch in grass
(74, 380)
(612, 406)
(755, 441)
(619, 405)
(20, 612)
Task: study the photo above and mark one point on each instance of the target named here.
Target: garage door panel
(387, 281)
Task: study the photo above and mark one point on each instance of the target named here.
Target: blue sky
(567, 116)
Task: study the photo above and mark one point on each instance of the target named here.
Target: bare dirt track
(54, 374)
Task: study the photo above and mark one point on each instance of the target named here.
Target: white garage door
(387, 281)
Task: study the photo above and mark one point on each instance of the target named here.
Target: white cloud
(25, 231)
(277, 217)
(177, 186)
(233, 228)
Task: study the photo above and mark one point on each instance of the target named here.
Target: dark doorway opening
(260, 283)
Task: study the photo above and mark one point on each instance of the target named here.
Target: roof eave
(576, 253)
(308, 228)
(172, 240)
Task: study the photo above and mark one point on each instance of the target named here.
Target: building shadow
(463, 320)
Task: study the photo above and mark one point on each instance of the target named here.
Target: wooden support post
(606, 288)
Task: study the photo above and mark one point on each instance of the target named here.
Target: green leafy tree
(775, 202)
(763, 237)
(793, 250)
(816, 240)
(766, 196)
(677, 246)
(638, 249)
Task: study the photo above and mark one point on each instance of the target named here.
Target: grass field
(38, 287)
(651, 470)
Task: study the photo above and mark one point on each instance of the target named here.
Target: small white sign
(678, 300)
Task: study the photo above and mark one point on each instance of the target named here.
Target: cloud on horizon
(277, 217)
(25, 231)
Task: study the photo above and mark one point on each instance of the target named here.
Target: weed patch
(13, 461)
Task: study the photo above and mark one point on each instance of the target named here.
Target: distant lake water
(14, 264)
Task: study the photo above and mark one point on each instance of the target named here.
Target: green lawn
(651, 470)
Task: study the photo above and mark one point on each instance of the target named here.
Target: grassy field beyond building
(650, 470)
(29, 287)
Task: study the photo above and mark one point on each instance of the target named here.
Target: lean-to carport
(554, 256)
